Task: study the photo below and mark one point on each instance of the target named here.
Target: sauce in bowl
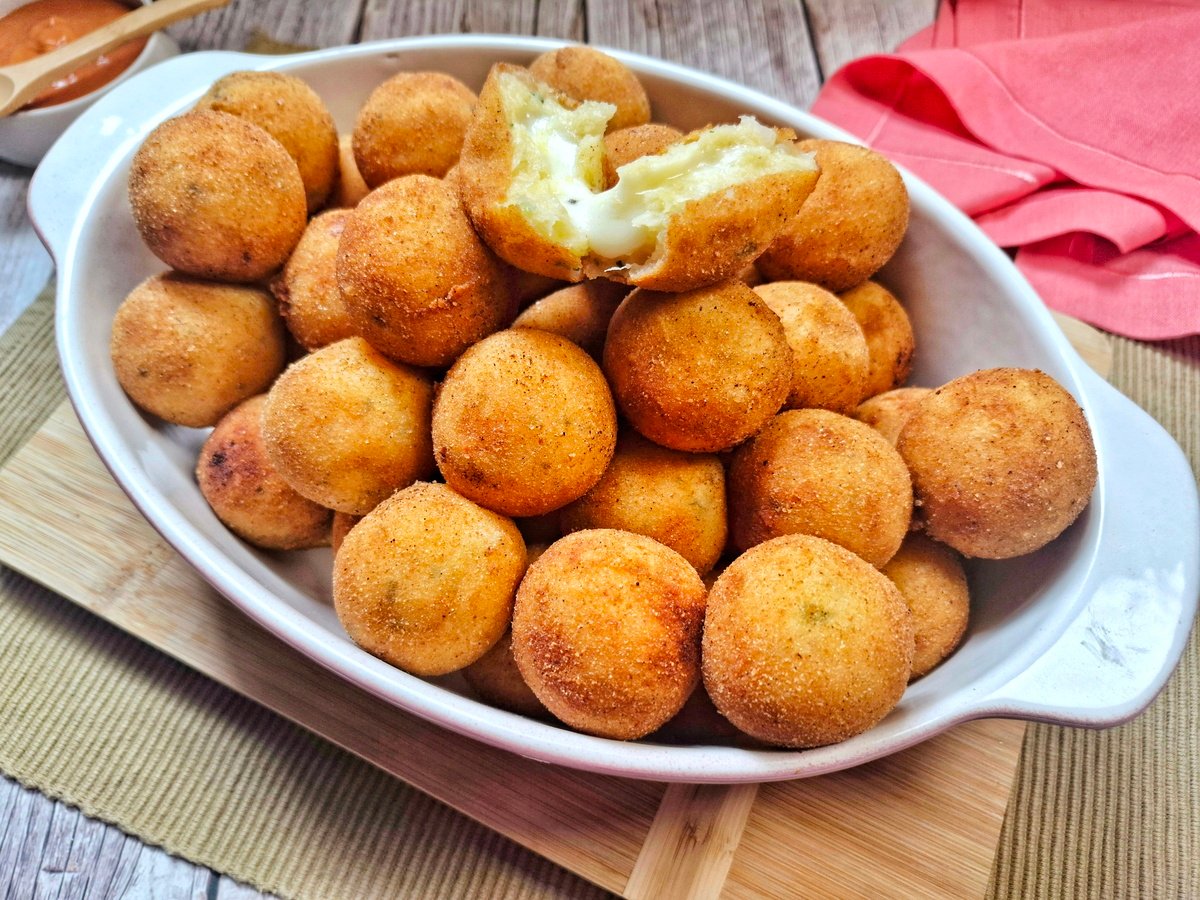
(45, 25)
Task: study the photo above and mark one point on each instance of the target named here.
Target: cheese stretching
(532, 179)
(557, 173)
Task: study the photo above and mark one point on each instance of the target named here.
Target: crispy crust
(850, 227)
(606, 631)
(887, 412)
(215, 196)
(1002, 461)
(627, 144)
(585, 73)
(485, 172)
(810, 471)
(804, 643)
(426, 580)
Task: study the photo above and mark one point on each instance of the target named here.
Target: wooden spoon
(21, 83)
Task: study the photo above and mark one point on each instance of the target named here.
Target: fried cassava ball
(849, 227)
(830, 359)
(524, 423)
(1002, 461)
(188, 350)
(307, 287)
(412, 124)
(291, 112)
(418, 283)
(426, 580)
(347, 427)
(215, 196)
(243, 488)
(810, 471)
(606, 632)
(805, 644)
(674, 497)
(699, 371)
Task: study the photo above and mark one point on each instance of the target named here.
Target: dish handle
(64, 184)
(1114, 657)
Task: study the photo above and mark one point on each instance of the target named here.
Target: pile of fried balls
(608, 417)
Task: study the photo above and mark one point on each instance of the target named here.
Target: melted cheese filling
(558, 172)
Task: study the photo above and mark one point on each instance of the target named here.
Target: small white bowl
(26, 136)
(1084, 632)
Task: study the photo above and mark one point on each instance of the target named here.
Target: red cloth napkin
(1069, 129)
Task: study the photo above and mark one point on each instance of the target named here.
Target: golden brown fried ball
(814, 472)
(830, 359)
(347, 427)
(188, 351)
(214, 195)
(578, 312)
(850, 225)
(292, 113)
(426, 580)
(674, 497)
(584, 73)
(241, 485)
(804, 643)
(627, 144)
(693, 215)
(606, 631)
(1002, 461)
(889, 335)
(412, 124)
(342, 523)
(349, 188)
(887, 412)
(699, 371)
(524, 423)
(931, 580)
(307, 287)
(418, 283)
(497, 680)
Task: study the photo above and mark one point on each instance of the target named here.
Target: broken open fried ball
(531, 176)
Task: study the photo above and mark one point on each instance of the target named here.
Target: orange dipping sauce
(45, 25)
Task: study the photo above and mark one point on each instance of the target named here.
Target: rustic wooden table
(782, 47)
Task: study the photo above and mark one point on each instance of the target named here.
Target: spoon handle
(30, 77)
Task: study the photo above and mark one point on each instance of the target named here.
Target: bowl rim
(512, 732)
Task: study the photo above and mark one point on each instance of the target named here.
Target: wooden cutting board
(924, 822)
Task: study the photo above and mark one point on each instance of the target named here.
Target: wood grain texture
(24, 263)
(64, 523)
(765, 44)
(384, 19)
(843, 30)
(325, 24)
(691, 843)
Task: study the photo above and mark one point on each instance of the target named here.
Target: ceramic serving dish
(25, 136)
(1084, 632)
